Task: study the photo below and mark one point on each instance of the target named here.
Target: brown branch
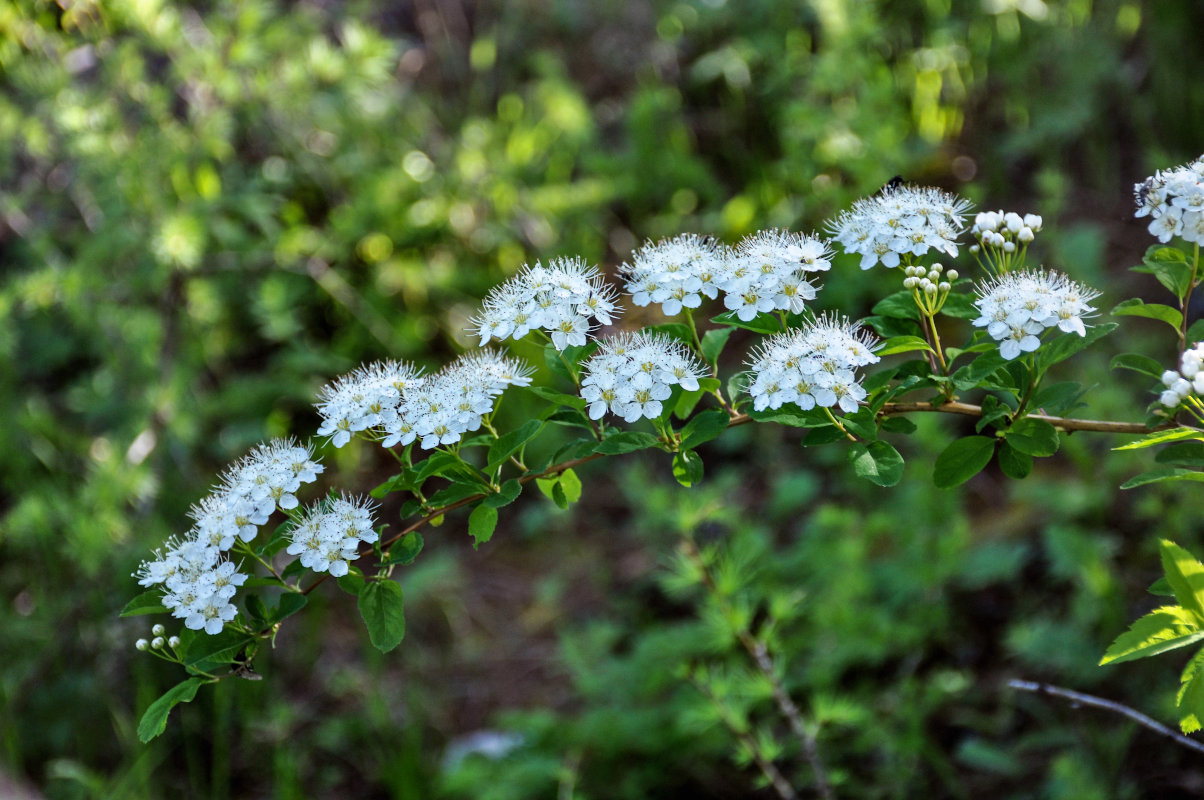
(1078, 698)
(1067, 424)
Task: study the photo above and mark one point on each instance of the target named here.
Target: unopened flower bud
(929, 288)
(173, 642)
(1181, 388)
(1009, 247)
(1198, 383)
(974, 249)
(1013, 221)
(944, 286)
(997, 240)
(952, 274)
(1025, 235)
(1169, 378)
(1170, 398)
(1033, 221)
(909, 283)
(158, 630)
(142, 644)
(158, 642)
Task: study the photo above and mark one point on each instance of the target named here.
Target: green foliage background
(208, 210)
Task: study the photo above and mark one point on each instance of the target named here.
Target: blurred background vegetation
(209, 209)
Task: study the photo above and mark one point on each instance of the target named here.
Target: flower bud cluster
(566, 299)
(1018, 307)
(813, 366)
(1188, 380)
(633, 373)
(329, 535)
(1174, 201)
(199, 583)
(901, 221)
(366, 398)
(442, 408)
(929, 280)
(1004, 230)
(158, 642)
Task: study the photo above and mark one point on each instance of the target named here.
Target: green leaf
(674, 330)
(459, 490)
(1136, 307)
(571, 485)
(506, 495)
(1063, 347)
(351, 583)
(206, 652)
(383, 612)
(877, 462)
(154, 719)
(763, 323)
(560, 398)
(404, 550)
(1163, 475)
(687, 467)
(962, 459)
(622, 442)
(902, 344)
(821, 436)
(508, 444)
(793, 416)
(1195, 333)
(1058, 398)
(898, 425)
(481, 524)
(1163, 629)
(890, 327)
(992, 410)
(1163, 437)
(1170, 266)
(706, 426)
(1185, 575)
(713, 342)
(978, 370)
(960, 306)
(863, 422)
(1182, 454)
(1190, 699)
(1013, 463)
(149, 602)
(1137, 363)
(900, 305)
(290, 603)
(1036, 437)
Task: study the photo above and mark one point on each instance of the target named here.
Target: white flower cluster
(898, 221)
(1018, 307)
(768, 272)
(677, 273)
(1003, 230)
(813, 366)
(633, 373)
(443, 407)
(329, 535)
(1190, 378)
(366, 398)
(1174, 200)
(199, 584)
(566, 299)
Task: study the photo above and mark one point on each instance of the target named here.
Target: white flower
(328, 536)
(1174, 201)
(633, 373)
(676, 273)
(364, 399)
(566, 299)
(815, 365)
(767, 271)
(1018, 307)
(900, 220)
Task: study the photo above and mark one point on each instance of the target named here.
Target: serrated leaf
(1136, 307)
(505, 495)
(481, 524)
(1185, 575)
(383, 611)
(962, 459)
(154, 719)
(877, 462)
(704, 427)
(1163, 475)
(1066, 345)
(1014, 463)
(902, 344)
(404, 550)
(149, 602)
(687, 467)
(1190, 698)
(713, 342)
(508, 444)
(1161, 588)
(1036, 437)
(1170, 266)
(1137, 363)
(626, 442)
(1163, 629)
(1162, 437)
(459, 490)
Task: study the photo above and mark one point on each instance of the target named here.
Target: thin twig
(1062, 423)
(1109, 705)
